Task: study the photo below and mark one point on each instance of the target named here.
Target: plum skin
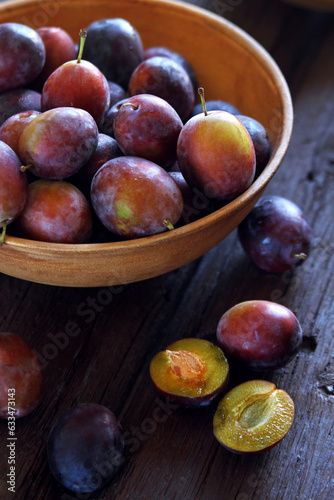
(147, 126)
(260, 334)
(22, 52)
(13, 187)
(216, 154)
(85, 447)
(134, 197)
(57, 212)
(276, 235)
(58, 142)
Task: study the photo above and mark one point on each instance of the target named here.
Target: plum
(85, 447)
(59, 48)
(147, 126)
(77, 83)
(21, 377)
(22, 55)
(253, 417)
(163, 51)
(195, 204)
(12, 128)
(106, 126)
(107, 148)
(115, 47)
(13, 188)
(17, 100)
(260, 140)
(117, 93)
(260, 334)
(215, 154)
(57, 212)
(165, 78)
(134, 197)
(58, 142)
(190, 372)
(276, 235)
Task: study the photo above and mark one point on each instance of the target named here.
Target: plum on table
(85, 447)
(260, 334)
(276, 235)
(253, 417)
(191, 372)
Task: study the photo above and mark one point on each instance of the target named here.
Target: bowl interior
(230, 65)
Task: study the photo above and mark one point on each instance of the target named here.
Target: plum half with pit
(134, 197)
(190, 372)
(276, 235)
(216, 154)
(85, 448)
(253, 417)
(21, 377)
(260, 334)
(57, 212)
(148, 127)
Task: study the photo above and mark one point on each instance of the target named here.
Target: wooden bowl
(231, 66)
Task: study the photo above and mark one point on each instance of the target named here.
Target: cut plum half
(190, 372)
(253, 417)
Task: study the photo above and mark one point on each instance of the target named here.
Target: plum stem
(133, 106)
(201, 94)
(3, 233)
(83, 36)
(25, 167)
(168, 224)
(301, 255)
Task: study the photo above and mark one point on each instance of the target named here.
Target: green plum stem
(168, 224)
(133, 106)
(201, 94)
(3, 233)
(301, 255)
(83, 36)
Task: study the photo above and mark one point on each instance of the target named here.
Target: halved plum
(190, 372)
(253, 417)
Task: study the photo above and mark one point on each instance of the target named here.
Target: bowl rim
(267, 62)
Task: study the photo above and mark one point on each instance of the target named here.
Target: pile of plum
(122, 126)
(105, 140)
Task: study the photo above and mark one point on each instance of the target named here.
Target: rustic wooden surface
(171, 453)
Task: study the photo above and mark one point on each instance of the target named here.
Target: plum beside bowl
(231, 66)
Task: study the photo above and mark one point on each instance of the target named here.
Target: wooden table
(171, 453)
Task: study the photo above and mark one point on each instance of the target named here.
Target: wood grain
(171, 452)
